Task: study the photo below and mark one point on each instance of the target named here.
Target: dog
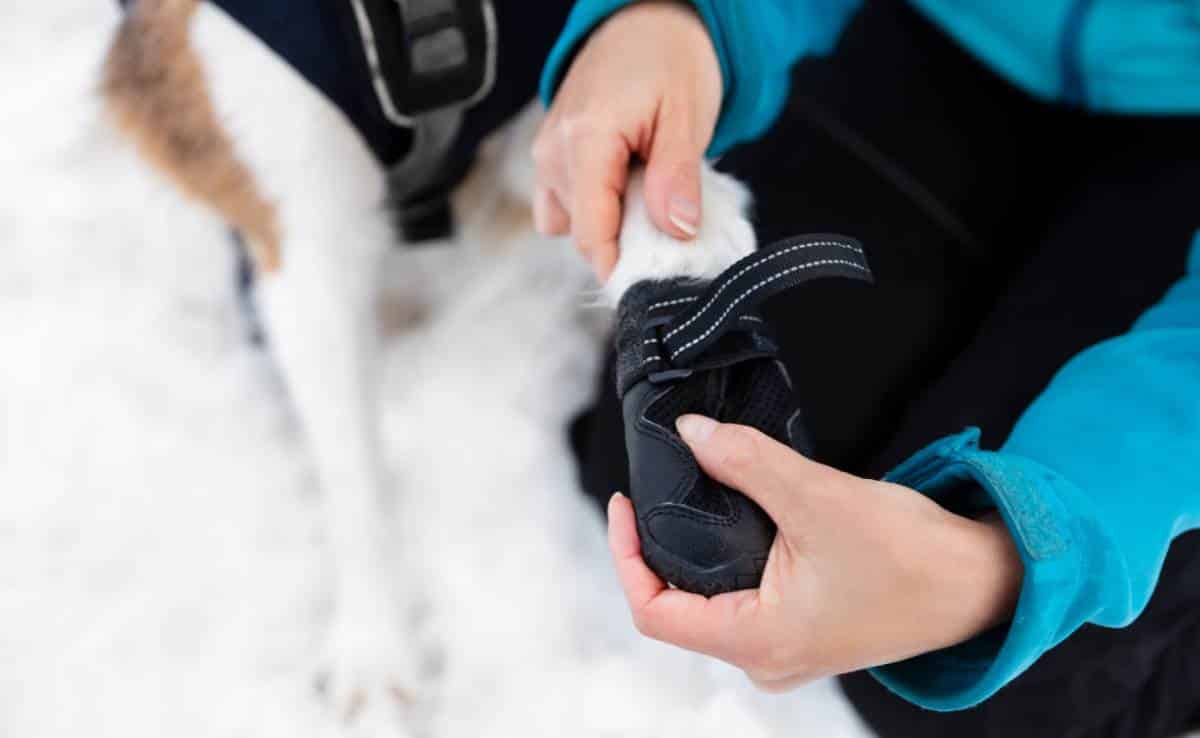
(209, 105)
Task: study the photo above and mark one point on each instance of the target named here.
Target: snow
(163, 562)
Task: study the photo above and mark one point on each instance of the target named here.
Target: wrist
(676, 7)
(988, 581)
(1007, 572)
(679, 14)
(973, 580)
(681, 21)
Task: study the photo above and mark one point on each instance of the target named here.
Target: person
(1024, 178)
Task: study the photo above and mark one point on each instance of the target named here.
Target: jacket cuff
(1042, 511)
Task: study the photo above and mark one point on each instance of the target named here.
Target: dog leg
(724, 236)
(320, 310)
(320, 313)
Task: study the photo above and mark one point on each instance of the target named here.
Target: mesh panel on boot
(758, 395)
(752, 393)
(701, 393)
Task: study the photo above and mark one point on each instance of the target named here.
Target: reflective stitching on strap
(668, 303)
(773, 269)
(763, 258)
(673, 341)
(762, 283)
(747, 318)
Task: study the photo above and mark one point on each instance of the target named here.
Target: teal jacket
(1103, 470)
(1100, 473)
(1119, 56)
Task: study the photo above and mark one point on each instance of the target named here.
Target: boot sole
(744, 572)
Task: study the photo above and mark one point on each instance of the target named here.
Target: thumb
(673, 179)
(748, 460)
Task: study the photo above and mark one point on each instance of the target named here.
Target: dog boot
(688, 347)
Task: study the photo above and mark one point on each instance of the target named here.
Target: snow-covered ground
(163, 562)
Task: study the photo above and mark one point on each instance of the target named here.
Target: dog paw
(367, 668)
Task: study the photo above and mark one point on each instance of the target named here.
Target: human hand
(647, 83)
(861, 573)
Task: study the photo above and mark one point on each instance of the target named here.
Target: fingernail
(695, 428)
(685, 214)
(615, 496)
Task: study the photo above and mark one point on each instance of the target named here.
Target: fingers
(779, 686)
(717, 626)
(549, 217)
(673, 177)
(597, 169)
(765, 470)
(582, 169)
(639, 583)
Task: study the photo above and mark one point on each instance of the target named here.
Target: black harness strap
(696, 322)
(409, 75)
(427, 55)
(404, 73)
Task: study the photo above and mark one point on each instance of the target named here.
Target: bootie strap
(678, 322)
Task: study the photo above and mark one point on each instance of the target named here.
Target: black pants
(1006, 236)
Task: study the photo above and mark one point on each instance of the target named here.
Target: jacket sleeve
(756, 42)
(1099, 475)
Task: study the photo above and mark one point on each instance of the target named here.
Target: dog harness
(423, 81)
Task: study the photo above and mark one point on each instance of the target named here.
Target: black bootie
(688, 347)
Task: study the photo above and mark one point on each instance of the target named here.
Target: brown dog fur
(156, 91)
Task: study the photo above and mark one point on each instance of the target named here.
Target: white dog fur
(320, 312)
(724, 236)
